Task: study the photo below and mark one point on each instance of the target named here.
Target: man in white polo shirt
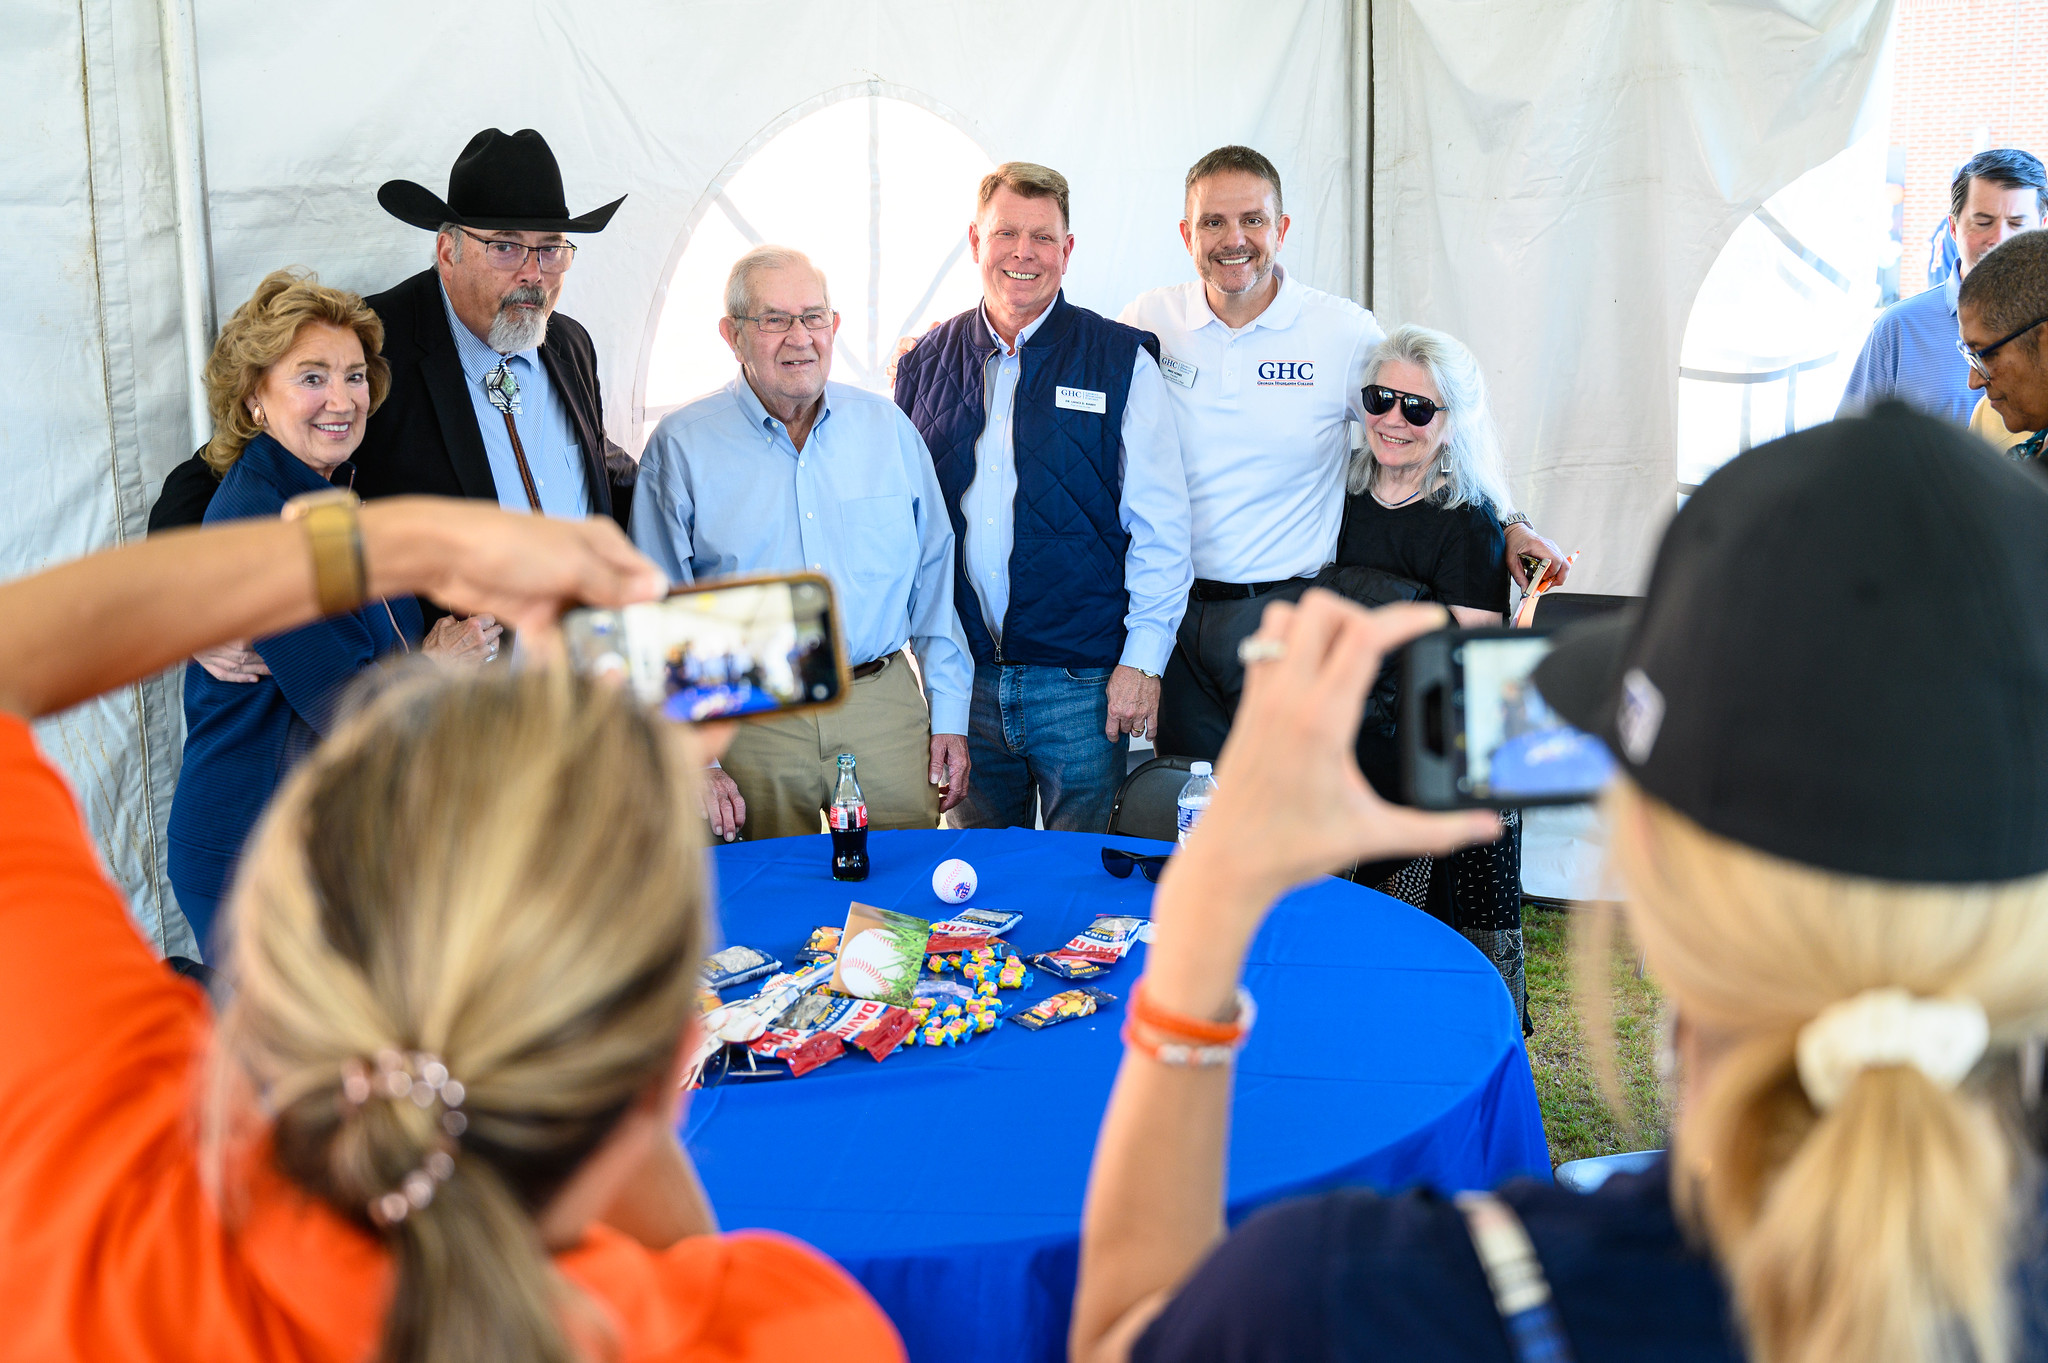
(1263, 375)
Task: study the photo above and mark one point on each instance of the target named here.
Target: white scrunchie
(1942, 1038)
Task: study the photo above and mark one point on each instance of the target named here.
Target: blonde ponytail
(499, 871)
(1881, 1230)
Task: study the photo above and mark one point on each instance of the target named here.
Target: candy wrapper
(737, 965)
(801, 1051)
(823, 946)
(873, 1028)
(864, 1024)
(970, 929)
(1063, 1007)
(1092, 952)
(745, 1019)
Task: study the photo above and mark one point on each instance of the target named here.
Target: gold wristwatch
(336, 539)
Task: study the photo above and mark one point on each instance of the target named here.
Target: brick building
(1967, 76)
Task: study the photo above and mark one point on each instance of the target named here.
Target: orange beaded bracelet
(1179, 1054)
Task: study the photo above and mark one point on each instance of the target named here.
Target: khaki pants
(786, 768)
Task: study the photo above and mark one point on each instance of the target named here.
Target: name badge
(1177, 371)
(1081, 400)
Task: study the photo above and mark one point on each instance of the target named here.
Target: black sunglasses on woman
(1416, 410)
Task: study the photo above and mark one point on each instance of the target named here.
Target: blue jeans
(1038, 731)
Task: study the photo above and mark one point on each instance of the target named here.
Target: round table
(949, 1180)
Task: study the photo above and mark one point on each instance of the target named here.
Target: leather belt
(1206, 590)
(869, 669)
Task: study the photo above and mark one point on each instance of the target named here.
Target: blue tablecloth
(949, 1180)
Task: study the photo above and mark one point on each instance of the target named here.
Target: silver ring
(1257, 650)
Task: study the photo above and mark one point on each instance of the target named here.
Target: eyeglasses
(775, 323)
(554, 257)
(1416, 411)
(1978, 358)
(1120, 863)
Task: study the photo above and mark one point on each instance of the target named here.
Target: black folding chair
(1148, 802)
(1555, 609)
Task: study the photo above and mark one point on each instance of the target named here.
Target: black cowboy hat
(502, 182)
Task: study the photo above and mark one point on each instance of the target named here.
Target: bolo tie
(503, 389)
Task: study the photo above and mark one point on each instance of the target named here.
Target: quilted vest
(1067, 598)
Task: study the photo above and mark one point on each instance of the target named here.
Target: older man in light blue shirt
(782, 471)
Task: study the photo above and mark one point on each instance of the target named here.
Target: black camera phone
(1475, 734)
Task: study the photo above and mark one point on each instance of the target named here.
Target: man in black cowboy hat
(493, 393)
(500, 252)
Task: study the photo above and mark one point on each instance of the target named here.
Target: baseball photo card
(881, 953)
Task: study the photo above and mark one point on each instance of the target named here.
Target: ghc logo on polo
(1287, 374)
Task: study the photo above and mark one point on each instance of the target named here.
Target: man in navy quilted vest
(1059, 463)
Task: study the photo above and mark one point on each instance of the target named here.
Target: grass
(1576, 1116)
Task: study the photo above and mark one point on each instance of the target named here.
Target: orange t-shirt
(110, 1247)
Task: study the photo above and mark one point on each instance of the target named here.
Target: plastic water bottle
(849, 823)
(1195, 797)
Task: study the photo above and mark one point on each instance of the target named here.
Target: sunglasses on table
(1415, 409)
(1120, 863)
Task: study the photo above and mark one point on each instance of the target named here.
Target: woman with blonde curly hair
(1832, 835)
(291, 383)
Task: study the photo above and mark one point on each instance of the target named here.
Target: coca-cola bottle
(849, 823)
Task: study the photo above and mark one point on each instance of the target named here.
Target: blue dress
(242, 738)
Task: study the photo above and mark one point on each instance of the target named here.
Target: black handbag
(1371, 588)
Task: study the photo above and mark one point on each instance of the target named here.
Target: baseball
(868, 966)
(954, 882)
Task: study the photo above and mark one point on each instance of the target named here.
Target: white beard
(512, 332)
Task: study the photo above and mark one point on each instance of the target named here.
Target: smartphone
(1475, 734)
(726, 649)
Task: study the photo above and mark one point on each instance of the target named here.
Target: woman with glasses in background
(1422, 522)
(2001, 312)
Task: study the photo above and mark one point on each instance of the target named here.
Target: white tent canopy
(1548, 179)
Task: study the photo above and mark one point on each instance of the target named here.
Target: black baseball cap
(1842, 658)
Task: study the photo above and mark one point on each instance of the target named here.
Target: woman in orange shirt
(440, 1123)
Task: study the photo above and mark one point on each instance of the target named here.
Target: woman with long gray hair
(1422, 522)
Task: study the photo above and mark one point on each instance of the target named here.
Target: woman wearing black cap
(1833, 832)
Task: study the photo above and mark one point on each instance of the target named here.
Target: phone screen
(1515, 746)
(721, 650)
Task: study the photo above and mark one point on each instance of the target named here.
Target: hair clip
(419, 1077)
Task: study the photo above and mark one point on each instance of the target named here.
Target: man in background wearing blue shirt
(781, 471)
(1911, 351)
(1056, 450)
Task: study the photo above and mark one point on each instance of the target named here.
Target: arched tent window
(1775, 329)
(876, 188)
